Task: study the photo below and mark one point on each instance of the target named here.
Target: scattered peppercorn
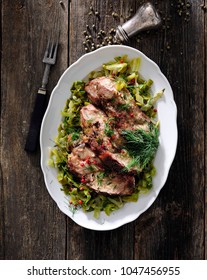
(183, 9)
(114, 14)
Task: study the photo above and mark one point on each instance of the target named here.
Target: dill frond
(141, 145)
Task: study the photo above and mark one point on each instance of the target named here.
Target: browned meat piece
(83, 161)
(120, 105)
(92, 118)
(100, 89)
(112, 184)
(119, 161)
(87, 166)
(95, 125)
(75, 139)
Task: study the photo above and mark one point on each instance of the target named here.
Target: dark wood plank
(204, 7)
(32, 225)
(174, 226)
(2, 244)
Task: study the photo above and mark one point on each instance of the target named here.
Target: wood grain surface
(31, 225)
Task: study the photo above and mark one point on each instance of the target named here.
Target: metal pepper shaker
(145, 18)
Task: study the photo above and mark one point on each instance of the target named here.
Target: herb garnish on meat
(141, 145)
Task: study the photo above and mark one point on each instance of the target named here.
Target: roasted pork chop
(95, 125)
(101, 90)
(112, 184)
(116, 104)
(119, 162)
(84, 163)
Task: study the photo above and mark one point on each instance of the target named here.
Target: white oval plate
(167, 114)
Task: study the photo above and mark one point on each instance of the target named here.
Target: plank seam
(205, 136)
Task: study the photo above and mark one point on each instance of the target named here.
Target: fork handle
(36, 120)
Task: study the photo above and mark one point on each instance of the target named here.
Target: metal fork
(49, 59)
(40, 103)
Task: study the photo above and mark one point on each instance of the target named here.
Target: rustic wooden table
(31, 225)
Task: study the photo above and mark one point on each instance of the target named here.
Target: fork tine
(52, 44)
(47, 48)
(55, 36)
(50, 54)
(55, 51)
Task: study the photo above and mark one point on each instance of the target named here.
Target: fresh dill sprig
(141, 145)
